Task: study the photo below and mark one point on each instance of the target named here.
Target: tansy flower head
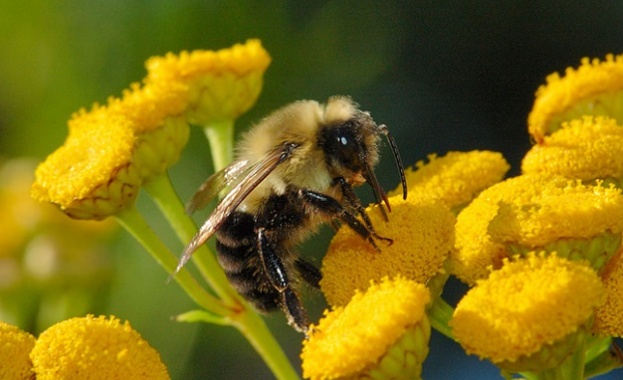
(92, 175)
(15, 346)
(577, 221)
(382, 333)
(457, 177)
(95, 348)
(222, 84)
(592, 89)
(586, 149)
(529, 315)
(111, 150)
(476, 250)
(608, 318)
(422, 230)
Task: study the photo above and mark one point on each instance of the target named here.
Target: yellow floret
(92, 175)
(15, 347)
(594, 88)
(584, 149)
(354, 339)
(608, 320)
(525, 307)
(457, 177)
(95, 348)
(422, 230)
(222, 84)
(476, 250)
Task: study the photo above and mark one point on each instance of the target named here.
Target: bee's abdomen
(236, 246)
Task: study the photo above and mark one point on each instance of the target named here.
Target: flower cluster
(79, 348)
(114, 149)
(541, 252)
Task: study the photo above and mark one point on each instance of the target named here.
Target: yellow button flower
(537, 213)
(157, 118)
(529, 315)
(476, 251)
(381, 334)
(457, 177)
(15, 346)
(92, 175)
(585, 149)
(95, 348)
(578, 221)
(608, 320)
(222, 84)
(111, 150)
(422, 229)
(594, 88)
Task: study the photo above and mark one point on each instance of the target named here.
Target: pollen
(422, 230)
(594, 88)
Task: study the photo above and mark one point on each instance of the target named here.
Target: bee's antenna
(392, 143)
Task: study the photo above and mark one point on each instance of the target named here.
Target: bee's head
(349, 140)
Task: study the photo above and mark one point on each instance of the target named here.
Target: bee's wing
(256, 174)
(217, 182)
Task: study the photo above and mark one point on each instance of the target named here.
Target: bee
(293, 171)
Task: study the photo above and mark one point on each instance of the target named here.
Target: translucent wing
(256, 174)
(217, 182)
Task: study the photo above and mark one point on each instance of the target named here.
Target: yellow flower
(594, 88)
(608, 319)
(222, 84)
(476, 251)
(457, 177)
(92, 175)
(584, 149)
(111, 150)
(15, 346)
(536, 213)
(578, 221)
(382, 333)
(95, 348)
(529, 315)
(422, 229)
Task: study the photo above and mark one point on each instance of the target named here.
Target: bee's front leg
(331, 207)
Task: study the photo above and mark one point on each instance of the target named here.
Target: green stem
(136, 225)
(573, 367)
(440, 314)
(220, 135)
(164, 195)
(252, 326)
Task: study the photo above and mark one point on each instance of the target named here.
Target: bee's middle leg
(278, 277)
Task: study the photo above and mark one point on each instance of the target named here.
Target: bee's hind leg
(278, 277)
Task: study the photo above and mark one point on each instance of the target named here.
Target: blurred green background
(443, 75)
